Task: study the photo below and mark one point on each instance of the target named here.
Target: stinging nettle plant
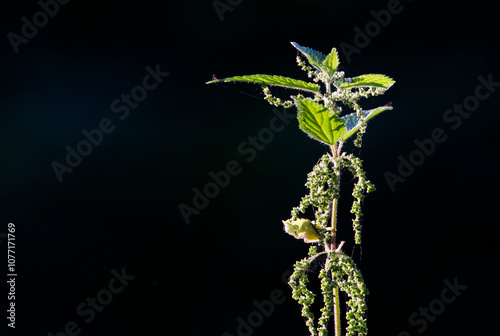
(320, 116)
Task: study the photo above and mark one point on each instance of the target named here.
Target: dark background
(119, 207)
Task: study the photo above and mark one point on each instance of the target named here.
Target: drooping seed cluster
(339, 271)
(327, 287)
(348, 278)
(361, 187)
(298, 282)
(323, 185)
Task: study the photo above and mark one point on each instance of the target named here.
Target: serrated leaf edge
(300, 84)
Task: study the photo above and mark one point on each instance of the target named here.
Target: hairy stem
(336, 303)
(336, 312)
(334, 203)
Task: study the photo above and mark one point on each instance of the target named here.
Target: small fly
(214, 77)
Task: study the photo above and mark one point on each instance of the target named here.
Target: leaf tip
(391, 82)
(219, 80)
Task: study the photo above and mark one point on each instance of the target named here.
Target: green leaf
(272, 80)
(314, 57)
(318, 122)
(331, 63)
(351, 121)
(369, 80)
(302, 229)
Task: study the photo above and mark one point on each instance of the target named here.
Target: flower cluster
(275, 101)
(327, 287)
(339, 271)
(298, 282)
(350, 97)
(347, 276)
(304, 66)
(323, 184)
(362, 186)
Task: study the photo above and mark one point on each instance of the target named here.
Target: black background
(119, 207)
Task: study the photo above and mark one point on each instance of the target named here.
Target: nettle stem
(336, 302)
(335, 200)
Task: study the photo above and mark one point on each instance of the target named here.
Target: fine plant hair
(320, 112)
